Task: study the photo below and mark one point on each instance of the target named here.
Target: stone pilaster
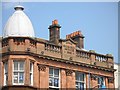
(10, 71)
(27, 71)
(63, 79)
(94, 83)
(35, 75)
(87, 81)
(43, 76)
(111, 82)
(106, 82)
(70, 79)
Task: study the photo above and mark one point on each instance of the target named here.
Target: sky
(98, 21)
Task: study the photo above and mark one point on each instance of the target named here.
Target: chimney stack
(78, 37)
(54, 32)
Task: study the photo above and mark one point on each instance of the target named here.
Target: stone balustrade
(52, 48)
(101, 58)
(20, 44)
(82, 54)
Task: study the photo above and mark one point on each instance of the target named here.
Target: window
(100, 82)
(31, 73)
(54, 80)
(5, 73)
(80, 81)
(18, 73)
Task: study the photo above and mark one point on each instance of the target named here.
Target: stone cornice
(58, 60)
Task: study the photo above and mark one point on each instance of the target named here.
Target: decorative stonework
(69, 47)
(19, 41)
(4, 43)
(41, 67)
(69, 72)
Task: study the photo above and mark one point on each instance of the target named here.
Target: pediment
(70, 42)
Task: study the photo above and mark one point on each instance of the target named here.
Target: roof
(18, 24)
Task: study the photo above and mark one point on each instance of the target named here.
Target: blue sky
(98, 21)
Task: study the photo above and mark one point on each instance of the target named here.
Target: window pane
(15, 77)
(6, 67)
(6, 77)
(31, 78)
(98, 80)
(21, 77)
(21, 65)
(51, 71)
(81, 86)
(51, 81)
(56, 72)
(76, 83)
(102, 80)
(56, 82)
(77, 88)
(5, 73)
(31, 65)
(77, 76)
(15, 65)
(81, 77)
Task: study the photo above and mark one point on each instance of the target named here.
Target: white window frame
(18, 71)
(31, 73)
(78, 81)
(53, 87)
(5, 73)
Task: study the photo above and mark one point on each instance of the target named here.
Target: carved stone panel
(69, 72)
(41, 67)
(69, 47)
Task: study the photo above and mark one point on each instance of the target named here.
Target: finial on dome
(19, 7)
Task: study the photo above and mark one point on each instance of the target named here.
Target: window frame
(31, 73)
(54, 87)
(18, 71)
(79, 81)
(5, 73)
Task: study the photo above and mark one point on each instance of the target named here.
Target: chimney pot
(78, 37)
(55, 21)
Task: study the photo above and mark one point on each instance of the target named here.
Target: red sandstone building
(30, 63)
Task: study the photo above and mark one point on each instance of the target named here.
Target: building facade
(30, 63)
(117, 75)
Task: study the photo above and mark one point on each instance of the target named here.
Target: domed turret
(18, 25)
